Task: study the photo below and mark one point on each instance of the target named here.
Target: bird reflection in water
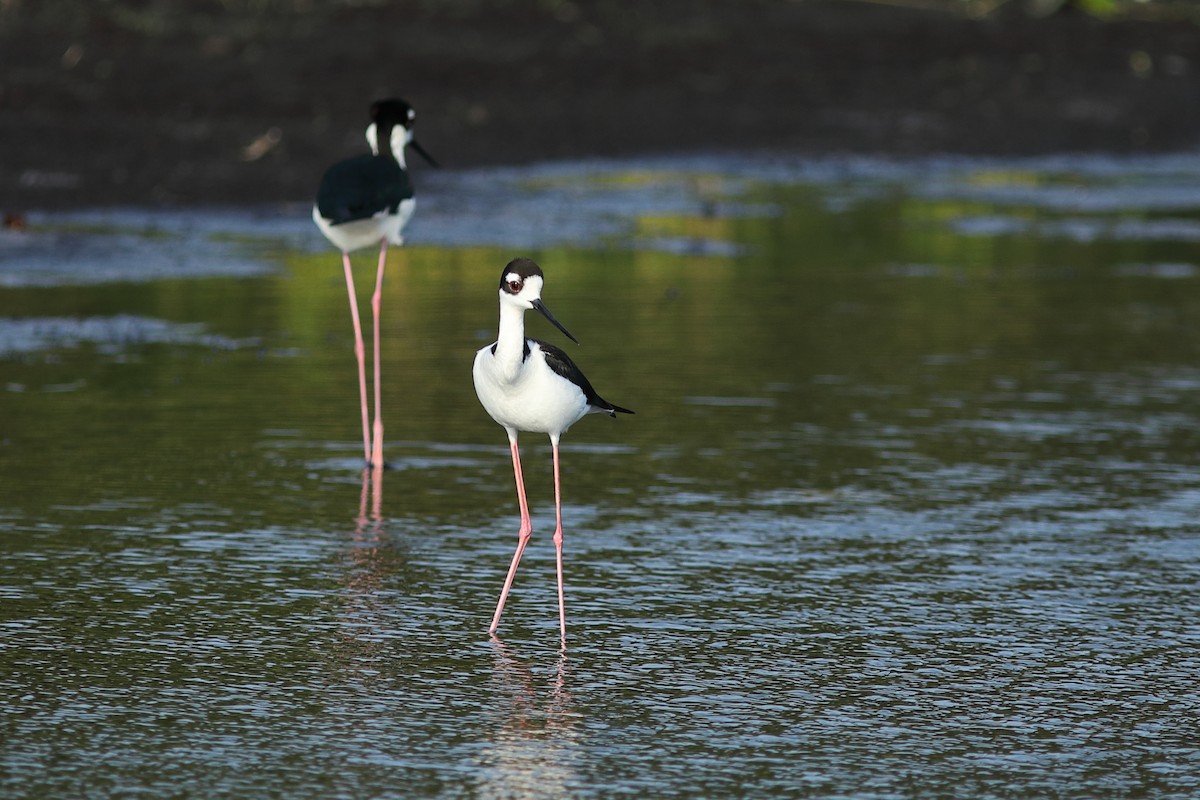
(372, 488)
(370, 562)
(366, 568)
(535, 747)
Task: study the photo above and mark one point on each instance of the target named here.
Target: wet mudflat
(909, 506)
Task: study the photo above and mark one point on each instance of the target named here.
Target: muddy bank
(183, 102)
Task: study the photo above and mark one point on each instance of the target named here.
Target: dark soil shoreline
(201, 106)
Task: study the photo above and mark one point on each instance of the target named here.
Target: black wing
(561, 363)
(361, 187)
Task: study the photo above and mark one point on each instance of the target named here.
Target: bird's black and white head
(392, 122)
(521, 285)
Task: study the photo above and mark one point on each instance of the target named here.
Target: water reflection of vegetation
(846, 312)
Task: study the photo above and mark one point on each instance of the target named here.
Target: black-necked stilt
(363, 201)
(530, 385)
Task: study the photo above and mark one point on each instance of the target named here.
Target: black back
(562, 364)
(361, 187)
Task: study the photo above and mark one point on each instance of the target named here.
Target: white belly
(351, 236)
(535, 399)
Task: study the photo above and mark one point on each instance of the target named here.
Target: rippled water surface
(910, 505)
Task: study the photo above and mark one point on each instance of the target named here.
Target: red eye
(514, 286)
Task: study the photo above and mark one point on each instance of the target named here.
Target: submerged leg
(360, 355)
(522, 535)
(558, 544)
(377, 493)
(376, 303)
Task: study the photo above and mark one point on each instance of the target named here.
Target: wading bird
(364, 201)
(530, 385)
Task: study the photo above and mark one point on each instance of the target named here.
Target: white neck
(510, 341)
(400, 137)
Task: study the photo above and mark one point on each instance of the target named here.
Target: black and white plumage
(368, 198)
(365, 201)
(526, 384)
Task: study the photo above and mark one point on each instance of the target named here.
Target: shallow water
(909, 506)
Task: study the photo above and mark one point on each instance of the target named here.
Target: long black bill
(545, 312)
(415, 145)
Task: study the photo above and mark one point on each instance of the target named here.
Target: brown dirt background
(186, 102)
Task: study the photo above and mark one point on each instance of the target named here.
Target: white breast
(534, 398)
(351, 236)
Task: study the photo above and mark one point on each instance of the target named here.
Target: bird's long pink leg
(360, 355)
(558, 543)
(522, 535)
(377, 492)
(376, 304)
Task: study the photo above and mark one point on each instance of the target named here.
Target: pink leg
(558, 544)
(362, 502)
(359, 354)
(377, 492)
(376, 304)
(522, 535)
